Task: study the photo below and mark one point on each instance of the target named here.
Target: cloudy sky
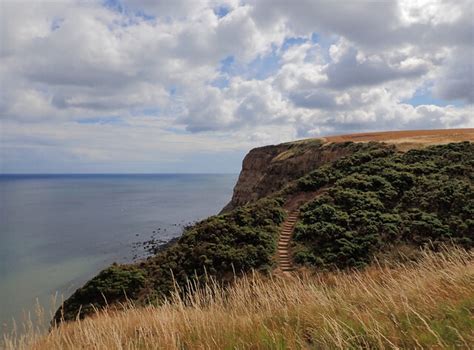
(190, 86)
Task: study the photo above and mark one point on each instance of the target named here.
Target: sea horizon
(59, 230)
(117, 173)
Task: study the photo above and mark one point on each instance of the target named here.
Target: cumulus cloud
(145, 76)
(350, 70)
(456, 78)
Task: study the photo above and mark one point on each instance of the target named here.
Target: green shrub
(219, 246)
(116, 283)
(382, 198)
(375, 199)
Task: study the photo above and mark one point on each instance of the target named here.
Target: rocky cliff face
(266, 170)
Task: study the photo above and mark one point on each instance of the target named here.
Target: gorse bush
(116, 283)
(371, 201)
(221, 246)
(377, 199)
(329, 173)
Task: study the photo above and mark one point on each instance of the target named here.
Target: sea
(58, 231)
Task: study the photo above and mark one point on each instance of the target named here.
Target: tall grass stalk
(425, 304)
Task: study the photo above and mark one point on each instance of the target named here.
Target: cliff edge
(364, 200)
(267, 169)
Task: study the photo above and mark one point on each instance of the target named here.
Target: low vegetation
(377, 200)
(221, 247)
(371, 203)
(423, 304)
(371, 247)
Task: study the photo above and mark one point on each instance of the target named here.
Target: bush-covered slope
(219, 246)
(370, 201)
(377, 199)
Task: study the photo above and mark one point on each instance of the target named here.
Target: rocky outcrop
(268, 169)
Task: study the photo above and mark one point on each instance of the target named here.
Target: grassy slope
(219, 246)
(376, 199)
(361, 220)
(427, 304)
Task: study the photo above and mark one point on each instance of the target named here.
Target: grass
(424, 304)
(370, 200)
(235, 242)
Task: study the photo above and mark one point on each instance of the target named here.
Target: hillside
(266, 170)
(357, 201)
(427, 304)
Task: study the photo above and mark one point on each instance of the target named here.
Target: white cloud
(456, 78)
(144, 73)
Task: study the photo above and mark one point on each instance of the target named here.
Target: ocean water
(57, 231)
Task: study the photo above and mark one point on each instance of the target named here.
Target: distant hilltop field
(269, 168)
(356, 218)
(409, 138)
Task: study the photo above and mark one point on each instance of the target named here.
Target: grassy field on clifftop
(427, 304)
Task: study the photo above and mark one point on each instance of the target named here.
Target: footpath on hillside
(284, 256)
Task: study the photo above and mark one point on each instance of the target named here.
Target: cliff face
(246, 237)
(266, 170)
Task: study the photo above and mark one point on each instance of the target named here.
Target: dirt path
(404, 140)
(292, 206)
(284, 256)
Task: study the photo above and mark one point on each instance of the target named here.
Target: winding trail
(284, 256)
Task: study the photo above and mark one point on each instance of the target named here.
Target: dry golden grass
(408, 139)
(428, 304)
(431, 136)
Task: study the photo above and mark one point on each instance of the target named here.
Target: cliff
(267, 169)
(364, 200)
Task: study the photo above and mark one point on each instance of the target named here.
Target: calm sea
(57, 231)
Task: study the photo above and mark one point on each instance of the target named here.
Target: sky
(147, 86)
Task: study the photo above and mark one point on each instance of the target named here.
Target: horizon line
(119, 173)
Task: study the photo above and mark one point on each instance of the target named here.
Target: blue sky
(140, 86)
